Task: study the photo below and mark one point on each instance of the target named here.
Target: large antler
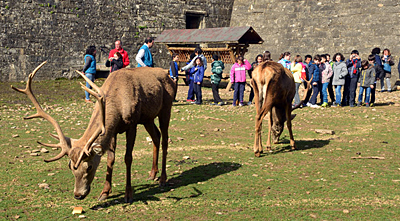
(64, 141)
(101, 130)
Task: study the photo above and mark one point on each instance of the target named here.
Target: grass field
(212, 171)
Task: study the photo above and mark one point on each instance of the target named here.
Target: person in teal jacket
(89, 68)
(144, 57)
(217, 67)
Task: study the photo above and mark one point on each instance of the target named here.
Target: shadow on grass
(197, 174)
(301, 145)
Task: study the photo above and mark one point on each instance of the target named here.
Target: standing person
(376, 52)
(190, 80)
(366, 82)
(339, 74)
(379, 74)
(198, 74)
(173, 67)
(330, 86)
(388, 62)
(326, 74)
(115, 62)
(350, 86)
(267, 56)
(316, 81)
(199, 53)
(217, 67)
(173, 71)
(238, 78)
(285, 60)
(144, 57)
(258, 60)
(89, 69)
(309, 74)
(118, 48)
(297, 68)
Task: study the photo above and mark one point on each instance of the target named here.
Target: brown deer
(274, 90)
(128, 97)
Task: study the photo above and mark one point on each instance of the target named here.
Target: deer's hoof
(103, 196)
(258, 154)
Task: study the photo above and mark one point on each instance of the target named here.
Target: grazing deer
(128, 97)
(274, 90)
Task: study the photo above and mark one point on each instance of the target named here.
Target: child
(314, 70)
(217, 67)
(189, 81)
(338, 79)
(297, 69)
(366, 81)
(350, 84)
(198, 73)
(115, 62)
(258, 60)
(173, 70)
(284, 60)
(326, 73)
(387, 61)
(173, 67)
(238, 78)
(379, 73)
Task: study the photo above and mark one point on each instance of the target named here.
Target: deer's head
(84, 154)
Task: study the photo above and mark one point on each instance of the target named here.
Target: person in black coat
(115, 62)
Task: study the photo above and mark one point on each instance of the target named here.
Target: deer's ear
(97, 149)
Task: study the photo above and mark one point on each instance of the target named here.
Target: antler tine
(42, 114)
(100, 131)
(48, 145)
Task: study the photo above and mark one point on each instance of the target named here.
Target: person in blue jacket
(89, 68)
(313, 70)
(198, 75)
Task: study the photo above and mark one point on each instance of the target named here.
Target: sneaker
(334, 104)
(220, 103)
(197, 103)
(88, 101)
(359, 104)
(250, 103)
(366, 105)
(193, 102)
(371, 105)
(324, 104)
(189, 100)
(308, 104)
(351, 105)
(213, 103)
(314, 106)
(241, 104)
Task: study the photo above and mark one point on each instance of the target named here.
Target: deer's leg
(164, 124)
(155, 136)
(269, 132)
(258, 123)
(130, 142)
(289, 118)
(110, 164)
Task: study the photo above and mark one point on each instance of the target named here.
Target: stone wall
(58, 31)
(314, 27)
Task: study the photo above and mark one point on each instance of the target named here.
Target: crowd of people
(338, 78)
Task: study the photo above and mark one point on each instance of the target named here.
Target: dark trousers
(313, 99)
(191, 90)
(197, 92)
(309, 92)
(251, 96)
(215, 91)
(239, 92)
(352, 91)
(346, 89)
(373, 90)
(330, 91)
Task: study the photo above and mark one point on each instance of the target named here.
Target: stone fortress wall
(59, 31)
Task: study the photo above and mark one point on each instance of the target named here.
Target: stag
(274, 90)
(128, 97)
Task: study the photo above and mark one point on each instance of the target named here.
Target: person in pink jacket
(238, 78)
